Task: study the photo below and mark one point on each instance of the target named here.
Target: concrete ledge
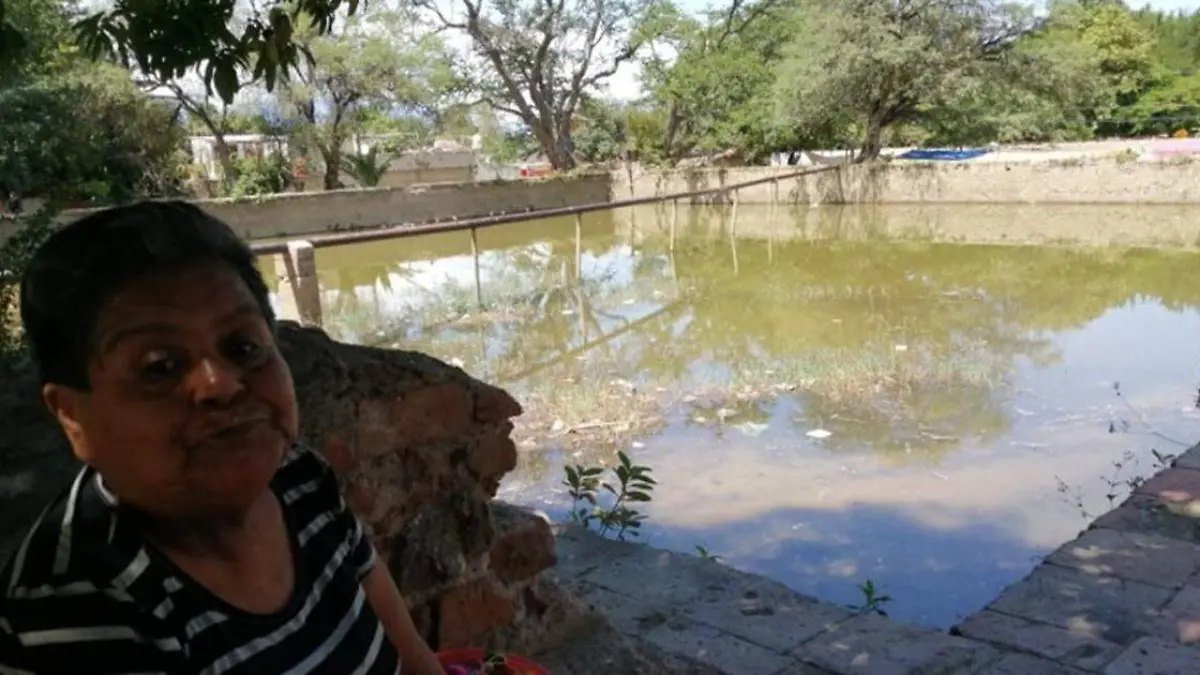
(1101, 181)
(305, 213)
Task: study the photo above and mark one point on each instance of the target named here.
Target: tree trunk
(333, 165)
(872, 144)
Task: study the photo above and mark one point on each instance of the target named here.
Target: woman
(199, 537)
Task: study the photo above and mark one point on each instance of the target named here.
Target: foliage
(873, 601)
(705, 554)
(87, 135)
(633, 484)
(266, 175)
(538, 60)
(167, 39)
(369, 168)
(600, 132)
(717, 92)
(368, 69)
(15, 254)
(878, 63)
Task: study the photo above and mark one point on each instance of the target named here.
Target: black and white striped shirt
(85, 593)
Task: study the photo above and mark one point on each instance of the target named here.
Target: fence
(295, 261)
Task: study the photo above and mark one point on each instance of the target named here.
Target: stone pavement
(1122, 599)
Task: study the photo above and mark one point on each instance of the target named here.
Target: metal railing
(472, 224)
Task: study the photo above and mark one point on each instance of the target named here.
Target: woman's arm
(416, 658)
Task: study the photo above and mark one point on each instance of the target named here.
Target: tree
(168, 39)
(37, 38)
(371, 67)
(88, 135)
(539, 58)
(716, 92)
(875, 63)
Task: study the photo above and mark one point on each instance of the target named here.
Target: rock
(420, 448)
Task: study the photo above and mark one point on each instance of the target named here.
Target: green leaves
(634, 484)
(166, 39)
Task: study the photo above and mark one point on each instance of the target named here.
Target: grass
(860, 376)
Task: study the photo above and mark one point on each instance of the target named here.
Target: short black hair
(79, 267)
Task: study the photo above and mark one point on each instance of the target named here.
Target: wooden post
(299, 293)
(674, 221)
(578, 246)
(475, 259)
(733, 216)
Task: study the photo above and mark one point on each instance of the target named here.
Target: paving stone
(627, 615)
(1174, 486)
(1152, 656)
(580, 552)
(1107, 607)
(665, 577)
(798, 668)
(1145, 513)
(1189, 459)
(873, 645)
(1179, 620)
(1137, 556)
(1023, 664)
(762, 611)
(686, 638)
(1072, 646)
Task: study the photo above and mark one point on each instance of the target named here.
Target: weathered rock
(420, 448)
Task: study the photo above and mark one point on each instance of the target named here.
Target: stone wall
(306, 213)
(420, 448)
(1071, 181)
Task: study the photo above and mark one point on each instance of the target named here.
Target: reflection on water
(962, 384)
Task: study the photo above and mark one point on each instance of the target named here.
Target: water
(978, 398)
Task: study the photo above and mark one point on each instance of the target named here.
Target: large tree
(537, 59)
(875, 63)
(713, 76)
(372, 65)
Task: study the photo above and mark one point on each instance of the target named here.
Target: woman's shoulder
(73, 543)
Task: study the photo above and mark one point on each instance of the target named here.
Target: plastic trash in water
(819, 433)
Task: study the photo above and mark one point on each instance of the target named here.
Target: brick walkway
(1122, 599)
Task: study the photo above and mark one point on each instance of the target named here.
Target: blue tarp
(943, 155)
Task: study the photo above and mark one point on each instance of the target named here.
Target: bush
(88, 136)
(15, 253)
(262, 175)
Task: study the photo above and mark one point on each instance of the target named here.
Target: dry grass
(857, 377)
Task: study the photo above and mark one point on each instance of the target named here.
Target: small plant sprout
(582, 483)
(633, 484)
(873, 600)
(706, 555)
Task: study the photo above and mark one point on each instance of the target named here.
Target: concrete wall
(305, 213)
(1074, 181)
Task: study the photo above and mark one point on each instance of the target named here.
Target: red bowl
(469, 656)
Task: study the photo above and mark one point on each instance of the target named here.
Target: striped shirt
(85, 593)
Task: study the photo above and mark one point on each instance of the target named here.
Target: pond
(825, 396)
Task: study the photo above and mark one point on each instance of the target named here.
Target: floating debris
(901, 348)
(819, 433)
(752, 429)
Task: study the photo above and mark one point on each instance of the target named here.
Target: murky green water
(968, 391)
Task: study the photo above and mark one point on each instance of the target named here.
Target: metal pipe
(401, 231)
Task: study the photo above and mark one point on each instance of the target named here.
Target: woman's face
(191, 407)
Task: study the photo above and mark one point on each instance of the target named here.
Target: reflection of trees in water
(793, 303)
